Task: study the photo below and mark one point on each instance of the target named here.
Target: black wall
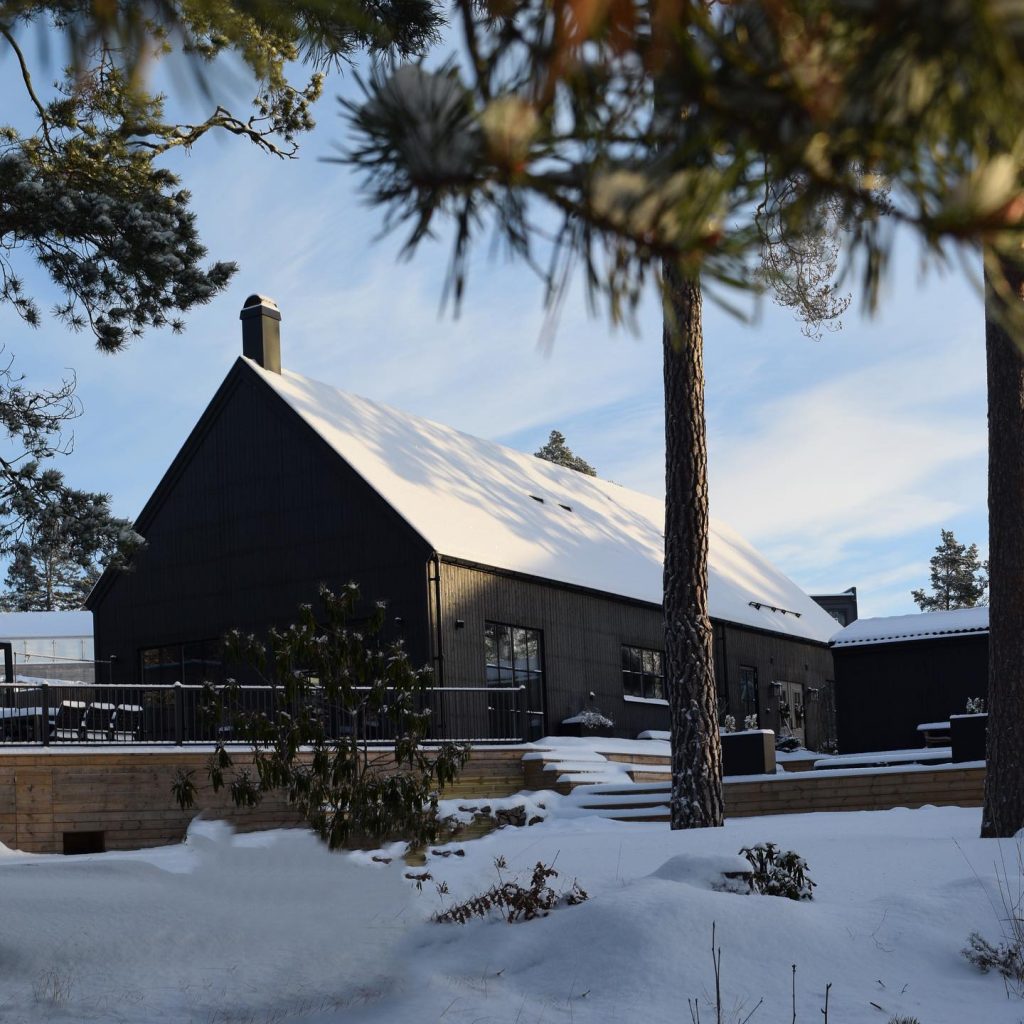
(884, 691)
(777, 660)
(253, 515)
(583, 636)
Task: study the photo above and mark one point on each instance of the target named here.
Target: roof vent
(261, 332)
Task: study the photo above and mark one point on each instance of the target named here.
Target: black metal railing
(87, 713)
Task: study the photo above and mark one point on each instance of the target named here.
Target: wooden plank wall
(583, 634)
(127, 796)
(583, 637)
(883, 691)
(864, 791)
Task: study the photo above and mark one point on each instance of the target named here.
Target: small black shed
(895, 673)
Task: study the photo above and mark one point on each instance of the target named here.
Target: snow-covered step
(636, 803)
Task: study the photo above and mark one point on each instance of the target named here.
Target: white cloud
(872, 454)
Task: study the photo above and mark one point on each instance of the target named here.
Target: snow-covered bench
(934, 734)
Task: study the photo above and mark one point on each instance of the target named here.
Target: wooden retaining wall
(866, 790)
(48, 798)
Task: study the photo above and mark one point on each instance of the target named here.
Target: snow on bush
(778, 873)
(594, 720)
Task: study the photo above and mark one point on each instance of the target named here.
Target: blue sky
(841, 459)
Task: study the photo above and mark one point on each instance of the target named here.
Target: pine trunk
(1003, 813)
(689, 659)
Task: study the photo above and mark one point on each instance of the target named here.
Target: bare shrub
(1005, 958)
(513, 901)
(53, 986)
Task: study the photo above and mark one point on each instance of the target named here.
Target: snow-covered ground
(270, 927)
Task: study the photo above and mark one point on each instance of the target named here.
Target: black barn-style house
(498, 568)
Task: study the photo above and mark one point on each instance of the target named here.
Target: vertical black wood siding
(583, 637)
(253, 516)
(777, 660)
(884, 691)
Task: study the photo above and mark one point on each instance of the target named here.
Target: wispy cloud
(859, 459)
(840, 459)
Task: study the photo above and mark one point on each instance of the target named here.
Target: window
(748, 690)
(642, 674)
(512, 655)
(190, 663)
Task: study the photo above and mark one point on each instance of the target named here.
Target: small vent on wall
(568, 508)
(535, 498)
(84, 842)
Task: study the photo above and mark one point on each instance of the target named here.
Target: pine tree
(68, 538)
(1003, 811)
(558, 452)
(83, 192)
(662, 139)
(959, 577)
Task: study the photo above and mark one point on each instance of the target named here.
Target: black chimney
(261, 332)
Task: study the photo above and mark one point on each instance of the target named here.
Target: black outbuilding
(896, 674)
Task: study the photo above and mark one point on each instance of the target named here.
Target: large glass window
(748, 690)
(512, 655)
(190, 663)
(642, 674)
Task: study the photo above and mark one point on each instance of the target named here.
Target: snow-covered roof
(923, 626)
(35, 625)
(481, 502)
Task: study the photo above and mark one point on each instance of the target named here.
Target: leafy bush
(513, 901)
(778, 873)
(333, 691)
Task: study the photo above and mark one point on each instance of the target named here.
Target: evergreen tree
(1003, 811)
(660, 136)
(57, 536)
(83, 193)
(959, 578)
(558, 452)
(67, 540)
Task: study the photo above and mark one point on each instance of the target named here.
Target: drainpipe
(438, 642)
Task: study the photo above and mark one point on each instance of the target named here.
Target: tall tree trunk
(1004, 782)
(689, 656)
